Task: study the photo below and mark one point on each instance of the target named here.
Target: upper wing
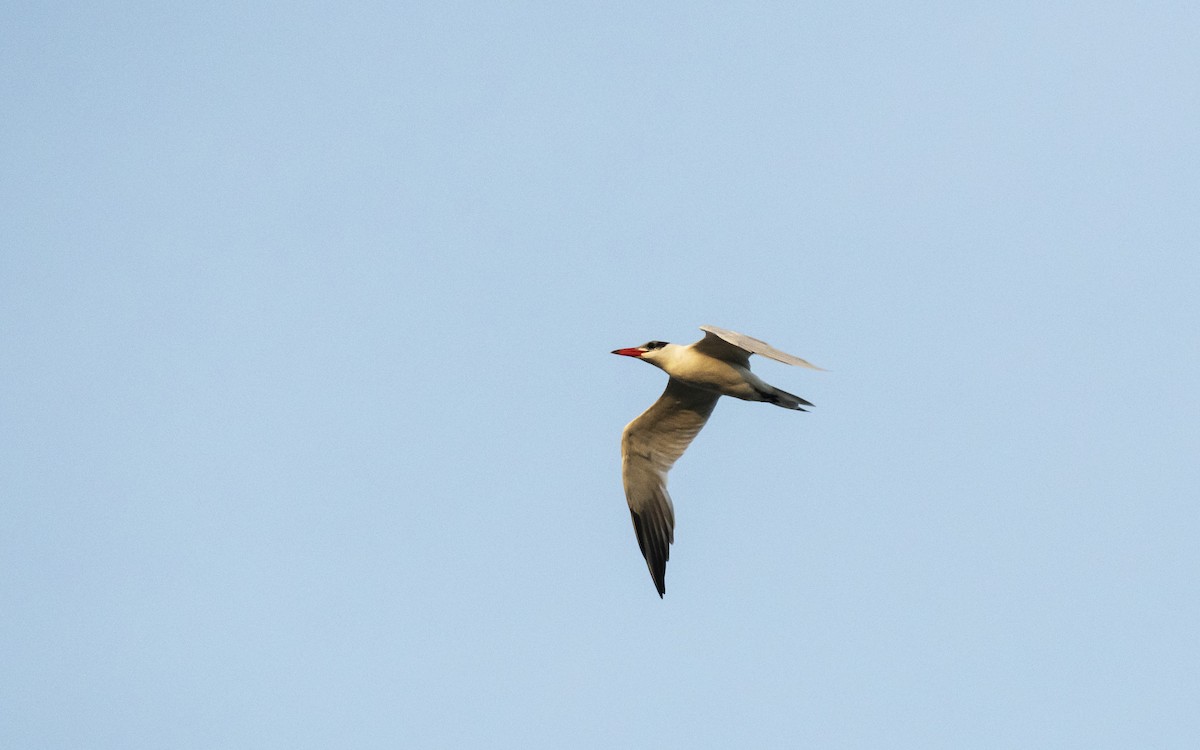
(737, 347)
(650, 445)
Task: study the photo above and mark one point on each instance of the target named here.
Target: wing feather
(732, 346)
(650, 446)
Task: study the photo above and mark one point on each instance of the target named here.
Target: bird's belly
(719, 377)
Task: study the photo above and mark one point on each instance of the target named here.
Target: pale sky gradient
(310, 426)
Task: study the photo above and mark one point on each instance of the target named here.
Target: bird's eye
(656, 344)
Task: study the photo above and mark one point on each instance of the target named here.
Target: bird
(700, 373)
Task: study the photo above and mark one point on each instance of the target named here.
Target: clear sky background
(309, 426)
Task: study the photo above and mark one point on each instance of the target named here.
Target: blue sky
(310, 425)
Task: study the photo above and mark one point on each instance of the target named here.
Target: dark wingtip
(656, 560)
(660, 579)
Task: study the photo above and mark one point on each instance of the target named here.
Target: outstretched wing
(650, 445)
(732, 346)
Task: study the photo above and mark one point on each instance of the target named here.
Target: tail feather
(773, 395)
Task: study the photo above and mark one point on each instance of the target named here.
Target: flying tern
(700, 373)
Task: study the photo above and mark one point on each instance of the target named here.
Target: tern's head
(651, 351)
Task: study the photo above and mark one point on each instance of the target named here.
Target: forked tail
(773, 395)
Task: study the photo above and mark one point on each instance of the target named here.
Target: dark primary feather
(655, 548)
